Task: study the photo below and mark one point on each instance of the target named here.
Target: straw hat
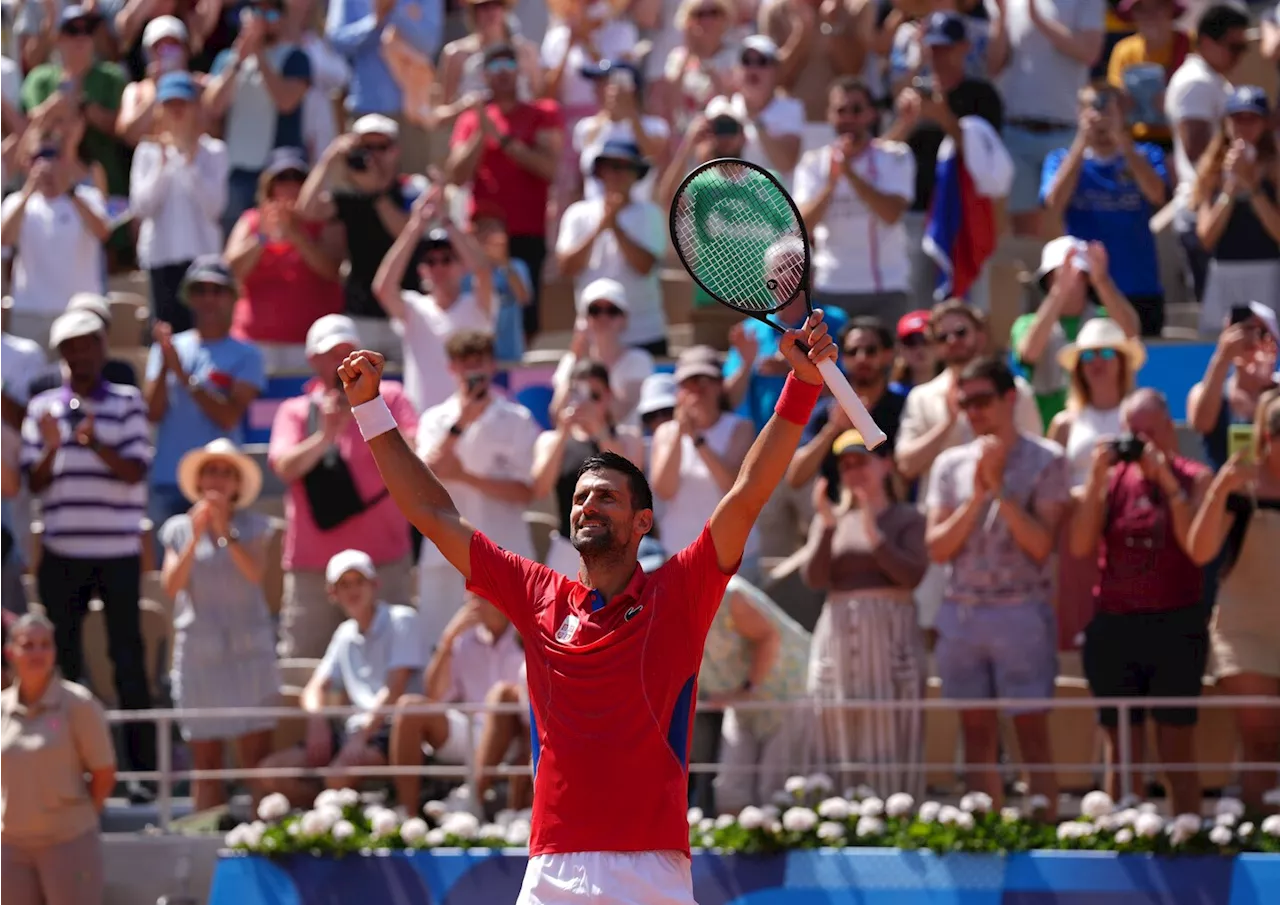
(191, 463)
(1103, 333)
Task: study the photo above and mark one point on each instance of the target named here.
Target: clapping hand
(50, 431)
(745, 342)
(84, 433)
(1237, 474)
(1095, 255)
(989, 474)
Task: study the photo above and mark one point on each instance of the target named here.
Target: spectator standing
(257, 89)
(19, 360)
(995, 505)
(1141, 65)
(618, 237)
(287, 267)
(478, 650)
(620, 90)
(867, 552)
(774, 119)
(480, 446)
(442, 255)
(335, 496)
(701, 67)
(374, 656)
(1240, 519)
(1149, 636)
(1106, 188)
(908, 59)
(86, 449)
(853, 194)
(817, 43)
(54, 734)
(165, 47)
(696, 456)
(200, 382)
(598, 335)
(177, 190)
(1195, 102)
(1237, 220)
(224, 652)
(57, 228)
(1076, 278)
(1042, 54)
(355, 29)
(512, 282)
(508, 151)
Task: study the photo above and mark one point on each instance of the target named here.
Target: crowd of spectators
(287, 183)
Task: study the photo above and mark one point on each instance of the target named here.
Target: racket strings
(739, 236)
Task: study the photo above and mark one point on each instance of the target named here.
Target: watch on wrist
(193, 382)
(699, 441)
(231, 537)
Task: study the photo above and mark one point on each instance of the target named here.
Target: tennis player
(612, 658)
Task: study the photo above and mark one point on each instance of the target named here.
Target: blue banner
(862, 876)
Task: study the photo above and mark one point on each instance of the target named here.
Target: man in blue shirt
(355, 28)
(199, 382)
(1106, 188)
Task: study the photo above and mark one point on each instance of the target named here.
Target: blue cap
(945, 29)
(76, 13)
(625, 151)
(606, 68)
(209, 269)
(1248, 99)
(176, 86)
(284, 160)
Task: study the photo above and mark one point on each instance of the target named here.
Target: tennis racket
(740, 236)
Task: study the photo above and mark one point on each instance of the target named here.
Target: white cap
(761, 44)
(350, 561)
(163, 27)
(329, 331)
(722, 106)
(376, 124)
(91, 301)
(1055, 254)
(658, 392)
(1267, 316)
(73, 324)
(606, 290)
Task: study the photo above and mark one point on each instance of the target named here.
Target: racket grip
(852, 405)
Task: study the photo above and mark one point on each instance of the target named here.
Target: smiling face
(84, 357)
(604, 521)
(850, 112)
(957, 338)
(32, 653)
(220, 476)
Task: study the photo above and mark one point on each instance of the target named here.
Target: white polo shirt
(783, 115)
(479, 662)
(56, 256)
(357, 664)
(498, 445)
(425, 329)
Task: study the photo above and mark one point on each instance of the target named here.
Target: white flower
(871, 807)
(492, 831)
(1126, 817)
(330, 814)
(899, 804)
(1097, 804)
(1184, 828)
(869, 826)
(1038, 803)
(799, 820)
(414, 830)
(1074, 829)
(706, 825)
(1148, 807)
(771, 812)
(947, 816)
(1220, 836)
(462, 824)
(461, 793)
(326, 797)
(694, 816)
(435, 810)
(504, 817)
(862, 791)
(1148, 825)
(834, 809)
(1106, 823)
(1232, 806)
(435, 838)
(518, 833)
(1244, 830)
(1128, 801)
(1271, 826)
(707, 841)
(295, 828)
(751, 818)
(343, 829)
(819, 783)
(976, 802)
(1010, 815)
(929, 811)
(1124, 836)
(319, 821)
(348, 798)
(774, 827)
(965, 820)
(830, 831)
(724, 821)
(273, 807)
(235, 837)
(795, 785)
(1227, 820)
(384, 822)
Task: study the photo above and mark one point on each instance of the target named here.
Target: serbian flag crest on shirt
(962, 229)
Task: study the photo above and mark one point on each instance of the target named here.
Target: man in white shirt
(480, 446)
(618, 237)
(478, 651)
(1194, 103)
(853, 194)
(443, 255)
(774, 120)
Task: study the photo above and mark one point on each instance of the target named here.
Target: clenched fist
(361, 373)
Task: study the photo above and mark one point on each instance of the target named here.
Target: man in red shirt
(612, 659)
(509, 151)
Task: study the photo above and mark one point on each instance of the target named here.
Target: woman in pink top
(287, 267)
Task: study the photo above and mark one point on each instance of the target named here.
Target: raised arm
(421, 497)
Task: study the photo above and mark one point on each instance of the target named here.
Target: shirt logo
(632, 613)
(567, 629)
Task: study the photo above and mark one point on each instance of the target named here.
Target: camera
(925, 85)
(1100, 100)
(1129, 448)
(358, 160)
(477, 385)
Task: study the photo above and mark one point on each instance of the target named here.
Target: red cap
(913, 322)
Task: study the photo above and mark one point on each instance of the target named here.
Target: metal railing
(165, 776)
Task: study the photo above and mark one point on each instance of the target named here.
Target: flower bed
(806, 816)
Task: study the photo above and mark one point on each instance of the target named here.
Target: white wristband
(374, 418)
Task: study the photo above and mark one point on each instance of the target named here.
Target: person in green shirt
(80, 82)
(1076, 280)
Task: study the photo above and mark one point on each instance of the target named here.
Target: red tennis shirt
(611, 691)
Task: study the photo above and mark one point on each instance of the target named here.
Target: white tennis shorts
(608, 878)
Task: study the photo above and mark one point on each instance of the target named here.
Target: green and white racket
(740, 236)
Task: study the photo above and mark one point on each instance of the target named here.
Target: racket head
(740, 236)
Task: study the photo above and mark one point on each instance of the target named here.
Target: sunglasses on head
(977, 400)
(957, 333)
(915, 340)
(862, 351)
(1089, 355)
(595, 310)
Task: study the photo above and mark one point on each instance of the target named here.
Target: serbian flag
(961, 232)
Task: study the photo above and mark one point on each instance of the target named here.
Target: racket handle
(852, 405)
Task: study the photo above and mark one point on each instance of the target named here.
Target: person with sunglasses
(425, 318)
(1075, 277)
(774, 119)
(701, 66)
(917, 362)
(995, 505)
